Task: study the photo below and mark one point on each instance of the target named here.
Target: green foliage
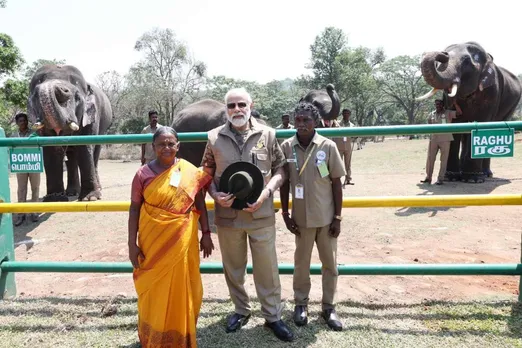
(16, 92)
(10, 57)
(133, 126)
(3, 3)
(401, 81)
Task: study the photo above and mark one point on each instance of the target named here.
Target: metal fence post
(7, 281)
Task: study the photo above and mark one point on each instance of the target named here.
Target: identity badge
(323, 169)
(175, 178)
(299, 191)
(320, 156)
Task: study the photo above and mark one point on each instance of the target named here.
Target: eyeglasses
(240, 105)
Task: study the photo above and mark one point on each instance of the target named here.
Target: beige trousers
(233, 245)
(433, 148)
(327, 248)
(22, 179)
(346, 155)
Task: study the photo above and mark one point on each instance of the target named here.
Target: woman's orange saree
(168, 281)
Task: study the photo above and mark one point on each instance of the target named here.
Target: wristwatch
(338, 217)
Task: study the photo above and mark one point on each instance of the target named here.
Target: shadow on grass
(430, 318)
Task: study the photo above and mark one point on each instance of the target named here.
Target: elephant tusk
(428, 95)
(453, 90)
(38, 125)
(74, 126)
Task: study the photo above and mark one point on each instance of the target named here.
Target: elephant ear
(89, 116)
(488, 76)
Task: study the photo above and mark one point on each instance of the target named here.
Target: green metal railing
(280, 133)
(284, 268)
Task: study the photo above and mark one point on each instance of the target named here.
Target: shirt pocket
(262, 161)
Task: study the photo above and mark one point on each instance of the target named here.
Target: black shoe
(19, 220)
(280, 330)
(439, 183)
(300, 315)
(332, 319)
(236, 321)
(426, 181)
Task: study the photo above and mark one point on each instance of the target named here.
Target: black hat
(244, 180)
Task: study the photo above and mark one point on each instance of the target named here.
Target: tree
(3, 3)
(10, 57)
(324, 62)
(362, 92)
(171, 75)
(401, 81)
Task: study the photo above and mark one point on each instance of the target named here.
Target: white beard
(239, 122)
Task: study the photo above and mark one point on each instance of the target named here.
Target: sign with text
(26, 160)
(492, 143)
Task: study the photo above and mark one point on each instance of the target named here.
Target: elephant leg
(73, 178)
(96, 157)
(89, 183)
(53, 165)
(471, 168)
(453, 165)
(486, 167)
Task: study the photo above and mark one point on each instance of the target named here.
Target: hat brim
(257, 177)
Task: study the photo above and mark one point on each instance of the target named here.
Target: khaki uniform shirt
(149, 151)
(317, 209)
(446, 117)
(261, 147)
(343, 143)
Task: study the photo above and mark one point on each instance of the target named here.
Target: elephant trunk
(441, 76)
(336, 103)
(57, 105)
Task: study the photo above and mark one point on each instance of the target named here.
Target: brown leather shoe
(300, 315)
(332, 319)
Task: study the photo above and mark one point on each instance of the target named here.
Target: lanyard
(306, 161)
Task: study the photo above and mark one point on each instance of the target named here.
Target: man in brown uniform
(313, 172)
(285, 124)
(439, 142)
(22, 178)
(147, 153)
(242, 138)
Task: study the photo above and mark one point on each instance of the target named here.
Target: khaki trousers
(327, 248)
(346, 155)
(233, 245)
(22, 179)
(433, 148)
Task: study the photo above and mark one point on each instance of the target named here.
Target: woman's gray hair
(164, 130)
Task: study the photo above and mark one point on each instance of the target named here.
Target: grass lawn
(81, 322)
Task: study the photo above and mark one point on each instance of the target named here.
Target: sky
(255, 40)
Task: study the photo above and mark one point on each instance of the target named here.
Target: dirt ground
(369, 235)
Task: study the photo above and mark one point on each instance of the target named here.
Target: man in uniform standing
(439, 141)
(22, 178)
(313, 173)
(147, 153)
(242, 138)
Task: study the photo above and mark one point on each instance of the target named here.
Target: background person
(22, 178)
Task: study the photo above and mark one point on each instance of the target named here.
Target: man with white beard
(242, 139)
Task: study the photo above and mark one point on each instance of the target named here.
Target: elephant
(62, 103)
(207, 114)
(484, 91)
(327, 102)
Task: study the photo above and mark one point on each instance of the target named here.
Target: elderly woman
(166, 203)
